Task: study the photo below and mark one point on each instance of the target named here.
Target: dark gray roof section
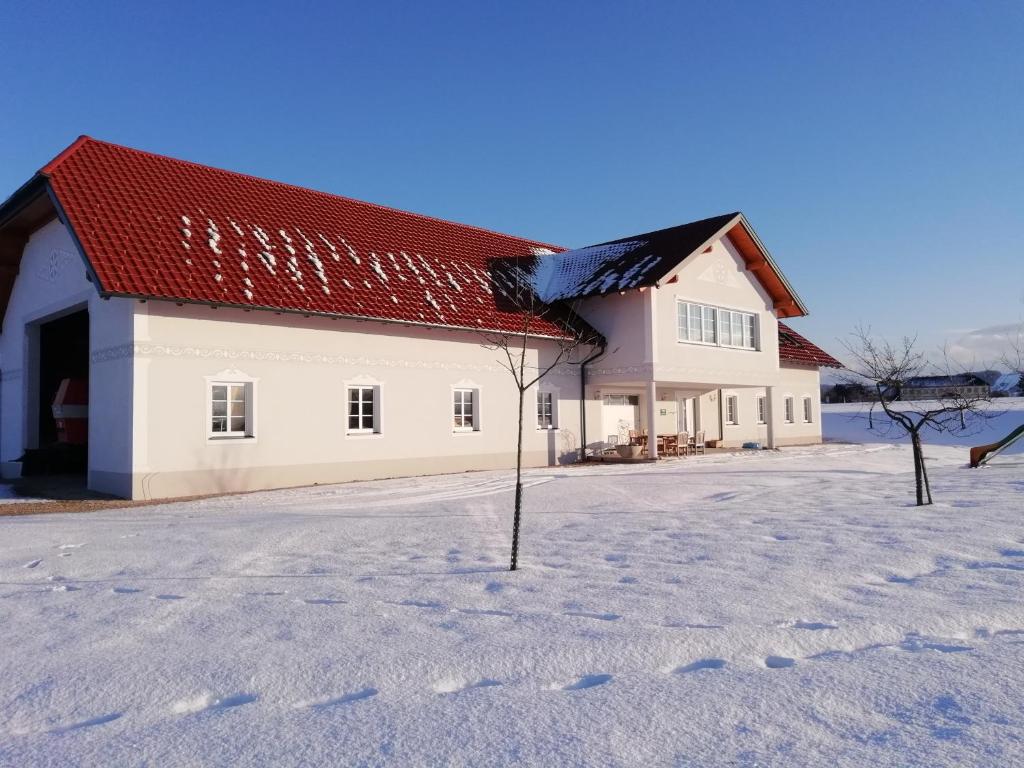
(619, 265)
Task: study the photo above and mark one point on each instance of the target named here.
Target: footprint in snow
(916, 644)
(699, 665)
(455, 685)
(124, 590)
(63, 588)
(422, 604)
(779, 662)
(167, 597)
(32, 563)
(207, 701)
(70, 546)
(724, 496)
(93, 721)
(814, 626)
(323, 601)
(348, 698)
(598, 616)
(486, 612)
(1012, 552)
(901, 579)
(587, 681)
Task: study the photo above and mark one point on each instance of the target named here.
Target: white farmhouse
(236, 333)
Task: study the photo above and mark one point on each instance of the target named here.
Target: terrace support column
(652, 432)
(769, 417)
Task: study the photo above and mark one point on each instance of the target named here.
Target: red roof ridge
(84, 139)
(69, 150)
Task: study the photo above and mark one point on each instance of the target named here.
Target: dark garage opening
(63, 354)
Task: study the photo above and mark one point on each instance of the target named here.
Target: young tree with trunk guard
(516, 289)
(887, 369)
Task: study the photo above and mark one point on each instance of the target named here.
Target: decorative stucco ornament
(52, 268)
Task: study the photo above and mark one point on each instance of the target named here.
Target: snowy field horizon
(772, 608)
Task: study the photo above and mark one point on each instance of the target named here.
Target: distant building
(848, 393)
(935, 387)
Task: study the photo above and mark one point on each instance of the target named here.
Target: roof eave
(775, 267)
(332, 315)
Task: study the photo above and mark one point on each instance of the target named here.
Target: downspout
(602, 347)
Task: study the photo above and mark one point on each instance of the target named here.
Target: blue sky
(876, 147)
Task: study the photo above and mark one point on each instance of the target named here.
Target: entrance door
(688, 415)
(619, 414)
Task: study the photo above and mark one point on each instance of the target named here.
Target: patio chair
(697, 444)
(682, 443)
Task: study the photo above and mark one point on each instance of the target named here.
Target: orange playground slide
(982, 453)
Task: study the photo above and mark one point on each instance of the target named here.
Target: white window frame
(732, 403)
(708, 322)
(376, 404)
(553, 408)
(789, 409)
(808, 410)
(231, 379)
(475, 393)
(762, 409)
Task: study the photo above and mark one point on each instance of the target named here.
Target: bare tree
(1013, 358)
(889, 368)
(534, 320)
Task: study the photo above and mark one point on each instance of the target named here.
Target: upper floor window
(702, 324)
(545, 410)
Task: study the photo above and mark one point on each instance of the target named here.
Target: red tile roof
(152, 226)
(155, 227)
(795, 348)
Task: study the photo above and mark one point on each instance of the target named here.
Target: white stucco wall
(718, 278)
(300, 368)
(52, 282)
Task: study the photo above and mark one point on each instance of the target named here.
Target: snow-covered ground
(850, 422)
(762, 609)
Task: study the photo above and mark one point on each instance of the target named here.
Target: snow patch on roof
(573, 273)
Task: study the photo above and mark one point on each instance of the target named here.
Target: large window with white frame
(704, 324)
(231, 413)
(363, 410)
(732, 410)
(808, 410)
(465, 410)
(545, 410)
